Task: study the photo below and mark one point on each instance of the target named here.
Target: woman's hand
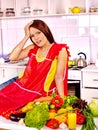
(43, 99)
(27, 30)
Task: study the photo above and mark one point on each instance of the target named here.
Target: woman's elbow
(12, 58)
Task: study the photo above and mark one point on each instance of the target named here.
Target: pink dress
(37, 80)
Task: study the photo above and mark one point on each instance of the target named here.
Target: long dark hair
(43, 27)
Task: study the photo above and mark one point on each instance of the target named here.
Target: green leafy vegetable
(89, 124)
(38, 116)
(69, 100)
(94, 107)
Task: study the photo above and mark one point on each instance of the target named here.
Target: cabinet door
(1, 75)
(8, 73)
(89, 94)
(90, 79)
(20, 70)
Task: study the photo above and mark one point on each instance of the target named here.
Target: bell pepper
(52, 123)
(80, 119)
(57, 101)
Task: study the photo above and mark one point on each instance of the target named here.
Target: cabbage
(37, 116)
(94, 107)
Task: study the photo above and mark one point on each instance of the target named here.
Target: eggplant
(17, 117)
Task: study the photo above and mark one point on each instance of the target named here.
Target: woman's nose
(36, 37)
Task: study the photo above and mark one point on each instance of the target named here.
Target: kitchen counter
(7, 124)
(90, 68)
(19, 64)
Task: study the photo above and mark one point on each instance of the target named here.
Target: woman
(46, 70)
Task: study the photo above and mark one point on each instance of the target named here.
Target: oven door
(74, 87)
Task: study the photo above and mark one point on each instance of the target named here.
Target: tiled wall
(80, 32)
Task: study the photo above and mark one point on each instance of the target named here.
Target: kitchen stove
(74, 81)
(76, 67)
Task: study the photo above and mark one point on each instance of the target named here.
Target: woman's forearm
(18, 49)
(60, 87)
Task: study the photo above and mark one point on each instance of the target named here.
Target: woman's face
(38, 37)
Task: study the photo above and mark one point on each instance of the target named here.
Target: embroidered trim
(26, 89)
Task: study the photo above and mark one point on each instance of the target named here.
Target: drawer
(74, 74)
(89, 94)
(90, 79)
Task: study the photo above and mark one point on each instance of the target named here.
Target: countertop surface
(91, 68)
(7, 124)
(11, 125)
(19, 64)
(22, 64)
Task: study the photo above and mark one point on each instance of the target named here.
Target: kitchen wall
(80, 32)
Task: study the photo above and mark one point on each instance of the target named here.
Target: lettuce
(94, 107)
(38, 116)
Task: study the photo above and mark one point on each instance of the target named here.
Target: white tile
(94, 20)
(84, 31)
(78, 44)
(83, 20)
(4, 24)
(94, 32)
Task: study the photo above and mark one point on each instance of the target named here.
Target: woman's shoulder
(57, 47)
(60, 45)
(33, 49)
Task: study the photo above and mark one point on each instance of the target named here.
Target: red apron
(31, 85)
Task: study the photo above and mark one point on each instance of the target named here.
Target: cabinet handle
(95, 79)
(95, 97)
(90, 87)
(3, 73)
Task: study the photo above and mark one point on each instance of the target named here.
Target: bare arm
(19, 52)
(59, 77)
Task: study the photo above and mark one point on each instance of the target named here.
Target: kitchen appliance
(81, 62)
(74, 82)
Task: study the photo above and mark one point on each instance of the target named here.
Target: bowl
(1, 14)
(37, 11)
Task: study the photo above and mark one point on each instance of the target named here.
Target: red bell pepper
(57, 101)
(52, 123)
(80, 119)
